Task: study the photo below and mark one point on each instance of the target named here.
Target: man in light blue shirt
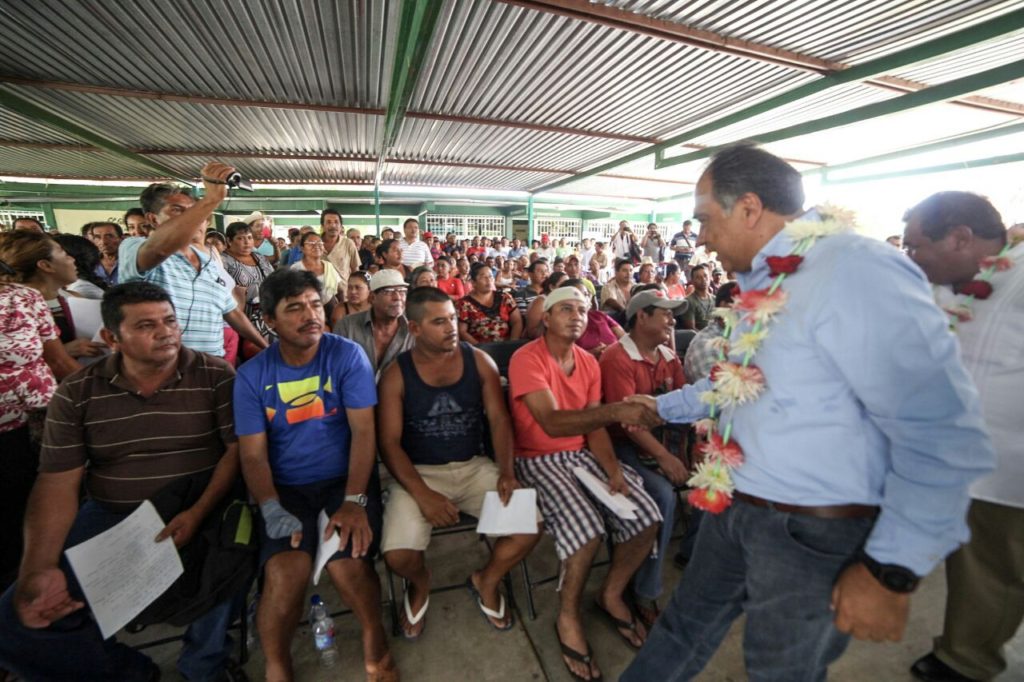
(855, 476)
(168, 259)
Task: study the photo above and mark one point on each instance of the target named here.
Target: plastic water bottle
(323, 632)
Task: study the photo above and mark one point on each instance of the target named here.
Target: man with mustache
(433, 403)
(382, 331)
(151, 416)
(304, 418)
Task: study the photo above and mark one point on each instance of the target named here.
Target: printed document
(123, 570)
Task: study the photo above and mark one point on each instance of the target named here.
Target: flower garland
(979, 288)
(735, 379)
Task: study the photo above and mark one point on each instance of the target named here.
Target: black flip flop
(621, 625)
(569, 652)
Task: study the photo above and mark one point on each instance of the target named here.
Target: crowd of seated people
(282, 373)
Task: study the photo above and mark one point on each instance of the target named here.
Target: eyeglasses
(392, 291)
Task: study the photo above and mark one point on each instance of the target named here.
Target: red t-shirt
(452, 286)
(532, 369)
(625, 372)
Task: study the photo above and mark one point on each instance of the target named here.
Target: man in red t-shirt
(555, 389)
(642, 362)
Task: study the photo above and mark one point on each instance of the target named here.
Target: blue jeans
(647, 580)
(73, 649)
(777, 567)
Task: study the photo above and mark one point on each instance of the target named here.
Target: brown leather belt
(837, 511)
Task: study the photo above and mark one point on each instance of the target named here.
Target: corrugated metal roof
(57, 163)
(489, 60)
(836, 31)
(14, 126)
(281, 50)
(500, 61)
(155, 124)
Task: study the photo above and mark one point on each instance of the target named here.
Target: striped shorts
(571, 515)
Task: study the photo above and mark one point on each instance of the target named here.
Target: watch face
(898, 580)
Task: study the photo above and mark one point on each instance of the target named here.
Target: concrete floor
(457, 645)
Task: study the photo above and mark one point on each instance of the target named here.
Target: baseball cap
(654, 297)
(383, 279)
(564, 294)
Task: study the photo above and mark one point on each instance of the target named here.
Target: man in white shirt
(546, 251)
(414, 251)
(960, 242)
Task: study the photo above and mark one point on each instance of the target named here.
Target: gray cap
(657, 298)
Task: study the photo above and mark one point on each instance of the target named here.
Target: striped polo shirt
(135, 445)
(199, 296)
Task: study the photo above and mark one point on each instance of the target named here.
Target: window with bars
(568, 229)
(466, 226)
(8, 216)
(603, 230)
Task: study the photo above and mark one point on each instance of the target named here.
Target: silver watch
(358, 499)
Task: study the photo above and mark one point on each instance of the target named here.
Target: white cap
(565, 294)
(382, 279)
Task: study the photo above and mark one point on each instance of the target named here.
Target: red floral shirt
(26, 382)
(487, 324)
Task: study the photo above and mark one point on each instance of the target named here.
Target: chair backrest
(501, 352)
(683, 338)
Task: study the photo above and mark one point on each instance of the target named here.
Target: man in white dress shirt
(955, 237)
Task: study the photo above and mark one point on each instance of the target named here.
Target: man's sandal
(586, 659)
(491, 613)
(412, 620)
(620, 625)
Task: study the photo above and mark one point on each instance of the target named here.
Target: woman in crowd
(423, 276)
(357, 297)
(505, 278)
(87, 257)
(312, 248)
(32, 360)
(487, 315)
(214, 241)
(647, 274)
(535, 312)
(248, 268)
(674, 286)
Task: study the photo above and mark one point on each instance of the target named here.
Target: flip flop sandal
(586, 658)
(411, 619)
(490, 613)
(621, 625)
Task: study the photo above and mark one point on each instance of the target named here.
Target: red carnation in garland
(730, 453)
(708, 500)
(979, 289)
(783, 265)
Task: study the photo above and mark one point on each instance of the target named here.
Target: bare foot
(384, 670)
(492, 600)
(570, 631)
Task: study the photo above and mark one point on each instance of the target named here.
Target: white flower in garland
(750, 342)
(712, 477)
(710, 398)
(736, 384)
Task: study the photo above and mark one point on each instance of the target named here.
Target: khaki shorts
(464, 483)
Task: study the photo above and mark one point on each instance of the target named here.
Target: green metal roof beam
(973, 35)
(941, 168)
(415, 31)
(937, 93)
(19, 104)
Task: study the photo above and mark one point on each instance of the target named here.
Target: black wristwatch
(892, 576)
(358, 499)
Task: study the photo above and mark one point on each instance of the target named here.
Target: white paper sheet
(620, 504)
(86, 314)
(325, 549)
(520, 516)
(123, 570)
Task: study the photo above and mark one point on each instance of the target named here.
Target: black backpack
(220, 561)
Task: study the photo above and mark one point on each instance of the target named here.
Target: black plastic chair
(683, 339)
(501, 352)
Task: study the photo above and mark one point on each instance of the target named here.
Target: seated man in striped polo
(555, 389)
(152, 414)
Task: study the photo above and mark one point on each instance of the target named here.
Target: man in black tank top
(432, 401)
